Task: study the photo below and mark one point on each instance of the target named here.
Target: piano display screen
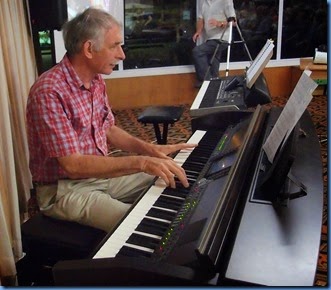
(226, 150)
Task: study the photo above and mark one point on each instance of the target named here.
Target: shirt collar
(70, 71)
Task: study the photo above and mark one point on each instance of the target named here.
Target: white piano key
(165, 209)
(148, 235)
(158, 219)
(197, 101)
(139, 248)
(197, 136)
(160, 183)
(128, 225)
(174, 197)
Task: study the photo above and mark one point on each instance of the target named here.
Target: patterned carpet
(181, 131)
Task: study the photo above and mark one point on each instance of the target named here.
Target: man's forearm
(199, 25)
(79, 166)
(126, 142)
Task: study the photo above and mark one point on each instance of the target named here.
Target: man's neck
(82, 70)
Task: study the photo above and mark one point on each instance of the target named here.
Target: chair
(47, 240)
(157, 115)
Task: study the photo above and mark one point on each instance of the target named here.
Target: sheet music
(291, 113)
(259, 63)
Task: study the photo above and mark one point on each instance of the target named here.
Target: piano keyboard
(144, 226)
(206, 100)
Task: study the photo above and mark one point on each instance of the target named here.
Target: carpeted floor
(181, 131)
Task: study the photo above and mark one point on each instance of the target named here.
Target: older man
(70, 127)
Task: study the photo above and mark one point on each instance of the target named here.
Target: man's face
(111, 52)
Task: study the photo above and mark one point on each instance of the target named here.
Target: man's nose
(122, 50)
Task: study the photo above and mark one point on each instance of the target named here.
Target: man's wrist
(220, 24)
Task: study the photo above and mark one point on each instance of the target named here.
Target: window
(46, 49)
(258, 21)
(158, 33)
(304, 27)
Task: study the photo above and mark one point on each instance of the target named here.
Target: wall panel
(134, 92)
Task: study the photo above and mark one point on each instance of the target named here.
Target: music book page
(259, 63)
(290, 115)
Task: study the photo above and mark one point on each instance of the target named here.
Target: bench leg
(161, 139)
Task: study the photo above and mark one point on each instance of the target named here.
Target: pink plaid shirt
(63, 118)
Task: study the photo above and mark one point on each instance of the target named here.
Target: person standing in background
(213, 19)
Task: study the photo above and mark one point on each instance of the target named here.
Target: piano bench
(156, 115)
(47, 240)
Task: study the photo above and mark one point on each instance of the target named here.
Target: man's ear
(87, 48)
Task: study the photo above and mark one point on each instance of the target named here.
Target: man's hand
(195, 36)
(216, 23)
(161, 151)
(160, 164)
(166, 169)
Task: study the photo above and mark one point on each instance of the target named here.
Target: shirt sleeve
(229, 9)
(199, 10)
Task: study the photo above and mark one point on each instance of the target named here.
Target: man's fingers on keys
(180, 173)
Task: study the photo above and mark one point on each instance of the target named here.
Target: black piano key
(143, 241)
(193, 166)
(168, 202)
(197, 153)
(201, 157)
(212, 91)
(175, 192)
(153, 227)
(191, 173)
(191, 177)
(179, 185)
(161, 214)
(196, 160)
(133, 252)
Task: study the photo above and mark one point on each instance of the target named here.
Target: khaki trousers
(99, 203)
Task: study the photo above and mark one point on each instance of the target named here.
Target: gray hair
(92, 24)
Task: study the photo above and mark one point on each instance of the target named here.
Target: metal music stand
(230, 41)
